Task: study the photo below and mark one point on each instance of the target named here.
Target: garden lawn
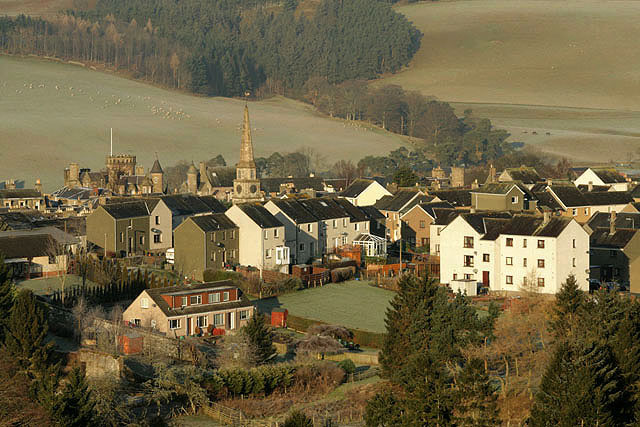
(47, 285)
(353, 304)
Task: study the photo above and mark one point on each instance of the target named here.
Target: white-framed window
(157, 220)
(586, 211)
(282, 255)
(509, 280)
(233, 234)
(144, 303)
(184, 301)
(174, 323)
(467, 277)
(524, 243)
(573, 262)
(266, 234)
(244, 314)
(541, 282)
(540, 244)
(509, 260)
(574, 243)
(214, 297)
(213, 255)
(344, 222)
(275, 233)
(195, 299)
(202, 321)
(468, 260)
(540, 263)
(335, 223)
(524, 262)
(267, 253)
(225, 296)
(213, 236)
(357, 226)
(157, 238)
(514, 199)
(218, 319)
(574, 212)
(142, 240)
(153, 323)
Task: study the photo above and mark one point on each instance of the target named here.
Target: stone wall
(98, 364)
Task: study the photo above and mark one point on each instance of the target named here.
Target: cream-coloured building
(364, 192)
(191, 309)
(603, 176)
(262, 238)
(300, 228)
(524, 252)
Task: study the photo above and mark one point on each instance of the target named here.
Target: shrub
(347, 366)
(298, 419)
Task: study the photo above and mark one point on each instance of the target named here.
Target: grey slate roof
(455, 197)
(356, 187)
(432, 208)
(25, 245)
(524, 174)
(260, 215)
(156, 296)
(585, 188)
(272, 185)
(354, 213)
(572, 197)
(609, 175)
(133, 209)
(397, 201)
(324, 208)
(618, 240)
(372, 212)
(188, 204)
(445, 216)
(213, 222)
(496, 188)
(623, 220)
(20, 193)
(528, 225)
(477, 219)
(156, 168)
(295, 210)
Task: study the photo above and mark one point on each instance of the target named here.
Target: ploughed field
(53, 113)
(562, 76)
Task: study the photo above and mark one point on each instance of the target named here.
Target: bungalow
(177, 311)
(364, 192)
(205, 242)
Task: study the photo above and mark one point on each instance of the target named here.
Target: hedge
(364, 338)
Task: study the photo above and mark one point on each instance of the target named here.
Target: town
(207, 276)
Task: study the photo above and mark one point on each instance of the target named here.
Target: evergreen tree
(6, 295)
(383, 410)
(260, 338)
(75, 406)
(581, 386)
(568, 302)
(475, 397)
(405, 177)
(26, 333)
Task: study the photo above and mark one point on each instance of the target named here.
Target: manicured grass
(353, 304)
(71, 123)
(48, 285)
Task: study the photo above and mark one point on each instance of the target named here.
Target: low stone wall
(98, 364)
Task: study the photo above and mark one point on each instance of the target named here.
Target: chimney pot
(612, 223)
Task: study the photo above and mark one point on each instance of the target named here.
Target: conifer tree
(568, 302)
(26, 333)
(75, 406)
(6, 295)
(384, 410)
(475, 397)
(260, 338)
(582, 386)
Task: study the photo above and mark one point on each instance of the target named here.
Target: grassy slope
(505, 58)
(353, 304)
(46, 128)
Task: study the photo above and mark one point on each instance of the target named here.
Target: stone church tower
(246, 186)
(157, 177)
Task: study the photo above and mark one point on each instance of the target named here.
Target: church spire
(246, 149)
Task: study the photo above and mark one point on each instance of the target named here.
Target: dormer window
(184, 301)
(214, 297)
(225, 296)
(195, 299)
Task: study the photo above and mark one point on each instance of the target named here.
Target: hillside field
(569, 68)
(54, 113)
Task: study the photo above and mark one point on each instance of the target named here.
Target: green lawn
(353, 304)
(48, 285)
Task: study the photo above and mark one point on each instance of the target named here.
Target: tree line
(225, 48)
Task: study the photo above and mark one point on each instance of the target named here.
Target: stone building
(246, 186)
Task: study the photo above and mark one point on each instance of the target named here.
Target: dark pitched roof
(524, 174)
(609, 175)
(492, 227)
(134, 209)
(371, 212)
(546, 199)
(623, 220)
(445, 216)
(356, 187)
(355, 214)
(528, 225)
(156, 168)
(477, 220)
(585, 188)
(397, 201)
(213, 222)
(324, 208)
(156, 295)
(260, 215)
(618, 240)
(432, 208)
(19, 193)
(272, 185)
(496, 188)
(20, 220)
(188, 204)
(25, 245)
(295, 210)
(608, 198)
(455, 197)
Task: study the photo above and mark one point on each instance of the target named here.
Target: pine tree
(75, 406)
(6, 295)
(27, 330)
(260, 338)
(581, 386)
(568, 302)
(475, 397)
(383, 410)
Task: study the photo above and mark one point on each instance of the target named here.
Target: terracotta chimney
(612, 223)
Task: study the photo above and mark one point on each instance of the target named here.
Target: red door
(485, 278)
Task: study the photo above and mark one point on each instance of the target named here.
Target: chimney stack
(612, 223)
(546, 216)
(590, 186)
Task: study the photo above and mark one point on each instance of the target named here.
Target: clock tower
(246, 186)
